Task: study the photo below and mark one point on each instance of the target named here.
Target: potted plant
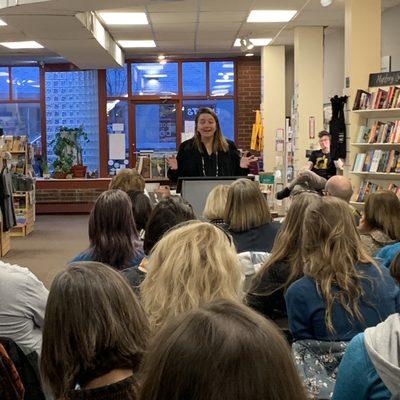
(45, 169)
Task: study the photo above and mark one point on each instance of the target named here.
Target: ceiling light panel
(256, 42)
(271, 15)
(129, 44)
(124, 18)
(22, 45)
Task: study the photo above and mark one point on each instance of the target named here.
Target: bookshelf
(378, 113)
(378, 145)
(24, 204)
(378, 175)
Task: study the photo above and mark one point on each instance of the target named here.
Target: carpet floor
(55, 241)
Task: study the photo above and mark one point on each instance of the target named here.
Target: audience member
(248, 218)
(141, 210)
(370, 368)
(94, 336)
(128, 179)
(380, 224)
(395, 268)
(284, 266)
(112, 232)
(386, 254)
(221, 351)
(22, 305)
(193, 264)
(214, 209)
(343, 290)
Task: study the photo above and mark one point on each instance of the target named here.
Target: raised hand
(245, 161)
(172, 162)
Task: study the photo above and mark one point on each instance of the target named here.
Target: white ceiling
(179, 27)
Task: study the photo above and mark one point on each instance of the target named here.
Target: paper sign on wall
(118, 128)
(189, 126)
(116, 146)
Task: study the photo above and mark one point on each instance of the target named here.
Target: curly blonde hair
(128, 179)
(192, 265)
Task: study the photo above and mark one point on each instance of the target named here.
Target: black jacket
(190, 162)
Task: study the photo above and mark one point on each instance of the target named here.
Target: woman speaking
(208, 153)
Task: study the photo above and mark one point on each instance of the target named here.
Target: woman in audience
(214, 209)
(112, 232)
(370, 368)
(387, 254)
(395, 268)
(284, 265)
(141, 210)
(380, 225)
(193, 264)
(128, 179)
(343, 290)
(221, 351)
(248, 218)
(94, 336)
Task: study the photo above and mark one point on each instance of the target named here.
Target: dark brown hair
(93, 324)
(324, 133)
(222, 351)
(220, 143)
(128, 179)
(395, 268)
(112, 231)
(141, 208)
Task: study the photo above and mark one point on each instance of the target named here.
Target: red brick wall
(249, 99)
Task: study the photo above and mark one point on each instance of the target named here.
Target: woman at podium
(208, 153)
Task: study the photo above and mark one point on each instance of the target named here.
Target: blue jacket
(88, 256)
(357, 377)
(306, 307)
(387, 254)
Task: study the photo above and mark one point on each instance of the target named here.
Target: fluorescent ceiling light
(256, 42)
(271, 15)
(124, 18)
(249, 54)
(22, 45)
(155, 76)
(136, 43)
(2, 23)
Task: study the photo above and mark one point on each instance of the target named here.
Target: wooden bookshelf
(379, 145)
(27, 212)
(379, 113)
(378, 175)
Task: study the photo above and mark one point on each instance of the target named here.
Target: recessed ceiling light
(256, 42)
(22, 45)
(271, 15)
(249, 54)
(163, 62)
(124, 18)
(2, 23)
(161, 57)
(136, 43)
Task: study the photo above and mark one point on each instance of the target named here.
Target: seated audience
(395, 268)
(343, 291)
(112, 232)
(221, 351)
(284, 266)
(141, 210)
(191, 265)
(248, 219)
(214, 209)
(128, 179)
(370, 368)
(22, 305)
(380, 224)
(386, 254)
(94, 336)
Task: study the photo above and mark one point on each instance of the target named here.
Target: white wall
(391, 35)
(289, 61)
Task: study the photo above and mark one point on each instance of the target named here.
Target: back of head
(190, 266)
(216, 203)
(382, 211)
(128, 179)
(226, 351)
(112, 231)
(141, 208)
(93, 324)
(246, 206)
(395, 268)
(339, 186)
(165, 215)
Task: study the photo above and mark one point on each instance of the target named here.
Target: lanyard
(216, 165)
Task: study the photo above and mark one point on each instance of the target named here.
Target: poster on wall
(167, 123)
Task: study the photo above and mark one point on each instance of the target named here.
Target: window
(71, 101)
(4, 83)
(222, 78)
(25, 83)
(117, 82)
(155, 126)
(155, 79)
(225, 110)
(194, 78)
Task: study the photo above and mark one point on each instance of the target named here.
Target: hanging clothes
(337, 128)
(6, 200)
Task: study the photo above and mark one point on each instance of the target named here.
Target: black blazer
(190, 162)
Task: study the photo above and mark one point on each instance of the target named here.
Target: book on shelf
(158, 166)
(380, 132)
(377, 100)
(359, 162)
(367, 187)
(363, 134)
(386, 161)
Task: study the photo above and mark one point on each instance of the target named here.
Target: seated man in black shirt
(319, 168)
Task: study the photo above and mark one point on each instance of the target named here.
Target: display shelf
(383, 175)
(379, 113)
(376, 144)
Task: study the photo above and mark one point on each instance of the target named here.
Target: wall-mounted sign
(384, 79)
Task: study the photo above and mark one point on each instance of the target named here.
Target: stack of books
(378, 161)
(380, 132)
(368, 187)
(381, 99)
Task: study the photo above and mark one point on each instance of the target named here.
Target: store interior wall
(391, 36)
(289, 61)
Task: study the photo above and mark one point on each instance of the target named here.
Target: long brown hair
(93, 324)
(112, 230)
(287, 242)
(219, 143)
(221, 351)
(246, 206)
(382, 211)
(332, 248)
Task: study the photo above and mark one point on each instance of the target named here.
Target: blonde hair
(192, 265)
(216, 203)
(246, 207)
(332, 247)
(128, 179)
(382, 211)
